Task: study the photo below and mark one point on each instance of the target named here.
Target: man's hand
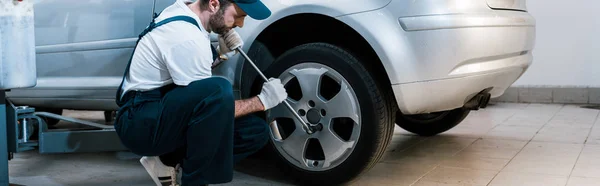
(229, 42)
(272, 93)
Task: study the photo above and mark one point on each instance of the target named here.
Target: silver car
(357, 68)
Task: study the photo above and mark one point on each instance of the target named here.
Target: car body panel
(281, 9)
(82, 48)
(436, 53)
(442, 53)
(508, 4)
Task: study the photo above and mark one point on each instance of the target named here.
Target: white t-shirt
(177, 52)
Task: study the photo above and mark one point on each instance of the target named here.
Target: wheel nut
(318, 127)
(311, 103)
(323, 112)
(302, 112)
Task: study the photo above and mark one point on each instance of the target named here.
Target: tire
(262, 58)
(50, 121)
(431, 124)
(366, 105)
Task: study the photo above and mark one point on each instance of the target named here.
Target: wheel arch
(302, 28)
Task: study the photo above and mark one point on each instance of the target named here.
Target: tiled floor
(505, 144)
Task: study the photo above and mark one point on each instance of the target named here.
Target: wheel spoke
(281, 111)
(343, 105)
(309, 80)
(333, 146)
(295, 145)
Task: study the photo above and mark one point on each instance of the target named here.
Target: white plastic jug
(17, 44)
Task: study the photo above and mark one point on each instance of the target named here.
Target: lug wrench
(308, 128)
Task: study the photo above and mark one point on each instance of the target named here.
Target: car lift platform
(19, 125)
(21, 128)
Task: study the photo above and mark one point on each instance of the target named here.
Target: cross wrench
(308, 128)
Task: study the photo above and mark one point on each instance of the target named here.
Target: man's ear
(214, 5)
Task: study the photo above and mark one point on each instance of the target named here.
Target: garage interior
(544, 130)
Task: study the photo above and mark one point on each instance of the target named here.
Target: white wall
(567, 50)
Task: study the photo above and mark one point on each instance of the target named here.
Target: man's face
(227, 18)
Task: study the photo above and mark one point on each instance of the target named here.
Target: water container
(17, 45)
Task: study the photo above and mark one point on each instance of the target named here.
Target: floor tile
(527, 179)
(523, 133)
(545, 158)
(524, 123)
(401, 142)
(34, 180)
(448, 176)
(412, 161)
(490, 116)
(562, 134)
(594, 137)
(405, 171)
(570, 123)
(438, 146)
(576, 109)
(506, 106)
(468, 131)
(494, 148)
(533, 118)
(552, 149)
(544, 107)
(588, 164)
(470, 161)
(580, 118)
(579, 181)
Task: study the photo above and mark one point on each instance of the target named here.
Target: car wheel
(432, 123)
(327, 86)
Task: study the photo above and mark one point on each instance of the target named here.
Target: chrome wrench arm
(306, 126)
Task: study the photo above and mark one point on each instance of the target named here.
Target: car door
(82, 49)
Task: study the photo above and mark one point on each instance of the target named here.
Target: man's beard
(217, 23)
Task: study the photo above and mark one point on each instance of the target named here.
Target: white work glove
(272, 93)
(228, 42)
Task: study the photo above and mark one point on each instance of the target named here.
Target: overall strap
(148, 29)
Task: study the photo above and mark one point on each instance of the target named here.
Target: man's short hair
(223, 3)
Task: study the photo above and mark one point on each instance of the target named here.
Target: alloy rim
(326, 99)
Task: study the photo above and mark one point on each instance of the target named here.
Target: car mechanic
(173, 112)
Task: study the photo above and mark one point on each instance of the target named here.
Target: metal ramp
(24, 121)
(21, 124)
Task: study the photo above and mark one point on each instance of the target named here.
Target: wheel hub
(313, 116)
(329, 105)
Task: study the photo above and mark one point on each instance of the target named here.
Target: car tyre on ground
(330, 87)
(433, 123)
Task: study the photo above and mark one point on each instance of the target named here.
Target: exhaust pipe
(480, 100)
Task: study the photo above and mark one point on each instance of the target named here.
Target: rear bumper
(439, 61)
(447, 94)
(458, 56)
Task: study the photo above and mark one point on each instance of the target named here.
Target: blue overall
(193, 125)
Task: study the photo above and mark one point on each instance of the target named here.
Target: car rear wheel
(433, 123)
(327, 86)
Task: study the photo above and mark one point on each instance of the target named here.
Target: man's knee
(219, 88)
(212, 83)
